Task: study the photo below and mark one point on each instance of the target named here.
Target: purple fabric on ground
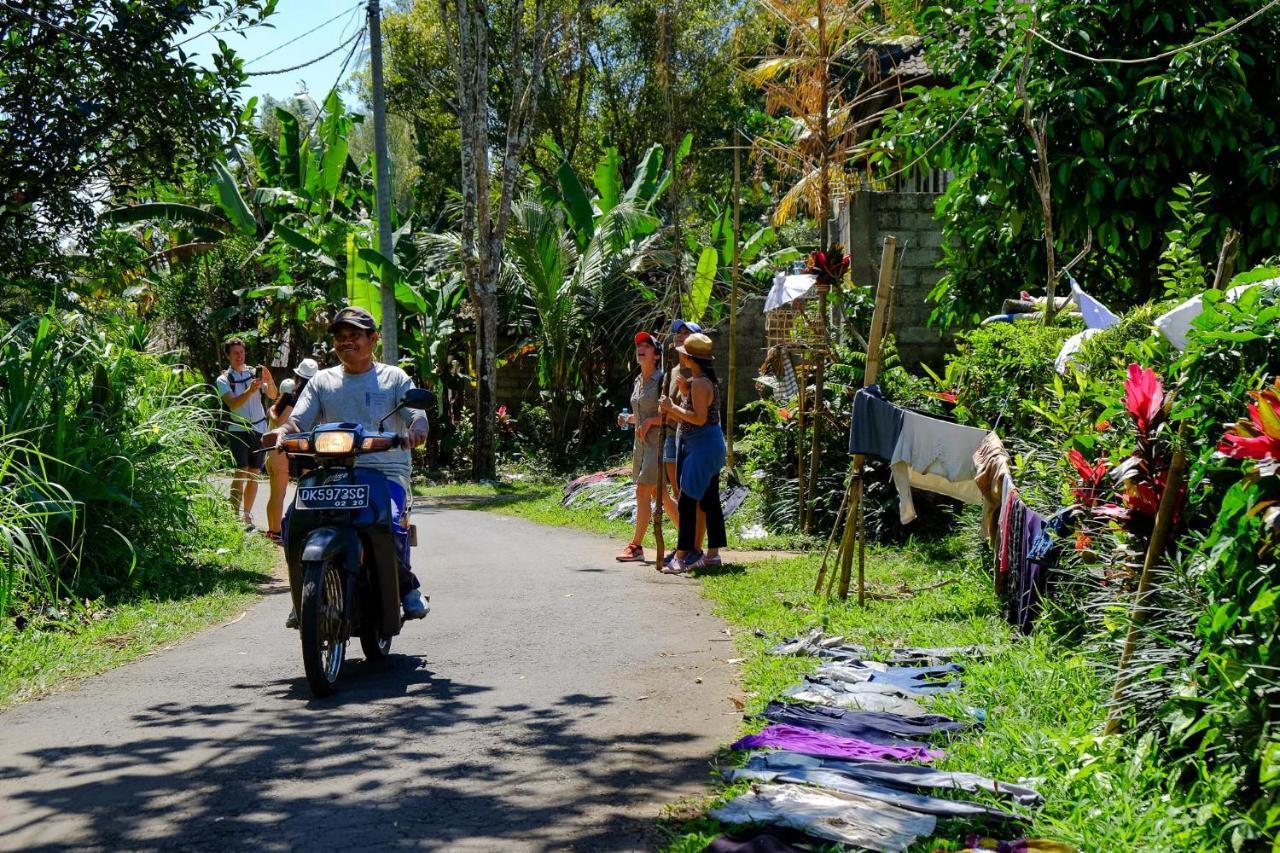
(806, 742)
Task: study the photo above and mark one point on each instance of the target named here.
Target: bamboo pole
(730, 402)
(879, 316)
(802, 375)
(1156, 548)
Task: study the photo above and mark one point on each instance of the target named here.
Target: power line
(1113, 60)
(360, 33)
(304, 35)
(320, 58)
(42, 22)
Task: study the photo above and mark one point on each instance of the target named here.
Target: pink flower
(1261, 438)
(1144, 397)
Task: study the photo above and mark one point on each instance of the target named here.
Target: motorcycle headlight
(335, 443)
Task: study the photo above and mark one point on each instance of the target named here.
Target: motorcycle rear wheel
(323, 647)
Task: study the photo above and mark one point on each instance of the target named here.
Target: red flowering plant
(1142, 475)
(1257, 437)
(829, 266)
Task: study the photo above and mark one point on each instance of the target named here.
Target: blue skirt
(702, 456)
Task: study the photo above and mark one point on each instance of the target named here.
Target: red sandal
(631, 554)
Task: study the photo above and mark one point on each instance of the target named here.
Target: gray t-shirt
(334, 395)
(249, 415)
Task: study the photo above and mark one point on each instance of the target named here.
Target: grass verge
(1044, 703)
(59, 648)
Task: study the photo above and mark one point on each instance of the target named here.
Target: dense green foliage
(1121, 140)
(98, 97)
(105, 465)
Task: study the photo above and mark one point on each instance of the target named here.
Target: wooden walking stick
(884, 292)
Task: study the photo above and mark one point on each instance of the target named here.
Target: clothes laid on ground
(916, 680)
(875, 426)
(806, 742)
(936, 456)
(835, 648)
(991, 471)
(910, 777)
(890, 703)
(891, 729)
(769, 839)
(844, 818)
(834, 781)
(976, 844)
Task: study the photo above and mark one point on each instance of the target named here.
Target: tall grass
(105, 453)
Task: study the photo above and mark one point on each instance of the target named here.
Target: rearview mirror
(418, 398)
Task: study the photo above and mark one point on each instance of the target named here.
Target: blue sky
(292, 18)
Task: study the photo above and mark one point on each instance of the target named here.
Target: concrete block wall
(864, 222)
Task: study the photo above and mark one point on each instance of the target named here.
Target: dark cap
(353, 316)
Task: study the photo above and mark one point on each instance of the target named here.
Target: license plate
(333, 497)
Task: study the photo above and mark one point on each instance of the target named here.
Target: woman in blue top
(701, 455)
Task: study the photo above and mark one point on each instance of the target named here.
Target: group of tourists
(254, 404)
(687, 399)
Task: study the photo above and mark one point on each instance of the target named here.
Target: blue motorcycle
(340, 547)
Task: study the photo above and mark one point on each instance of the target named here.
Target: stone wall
(863, 224)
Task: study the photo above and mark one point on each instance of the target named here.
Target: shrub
(111, 452)
(1000, 369)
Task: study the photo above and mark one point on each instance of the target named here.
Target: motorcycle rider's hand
(417, 434)
(275, 439)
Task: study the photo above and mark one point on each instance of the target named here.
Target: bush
(998, 370)
(111, 453)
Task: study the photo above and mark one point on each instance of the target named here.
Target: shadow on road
(400, 757)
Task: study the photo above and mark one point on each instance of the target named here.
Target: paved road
(553, 700)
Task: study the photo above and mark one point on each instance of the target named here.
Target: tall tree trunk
(485, 218)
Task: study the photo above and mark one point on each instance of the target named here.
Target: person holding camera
(241, 388)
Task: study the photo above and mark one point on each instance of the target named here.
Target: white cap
(307, 369)
(288, 386)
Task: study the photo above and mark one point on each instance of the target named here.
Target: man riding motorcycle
(362, 390)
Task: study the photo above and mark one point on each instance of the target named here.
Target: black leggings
(710, 504)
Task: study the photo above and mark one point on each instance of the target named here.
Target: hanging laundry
(910, 777)
(844, 818)
(875, 425)
(833, 781)
(1096, 315)
(991, 470)
(890, 729)
(769, 839)
(1033, 576)
(936, 456)
(796, 739)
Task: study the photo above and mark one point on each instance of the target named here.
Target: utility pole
(382, 161)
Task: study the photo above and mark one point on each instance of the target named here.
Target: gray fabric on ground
(839, 782)
(891, 702)
(844, 818)
(903, 776)
(833, 648)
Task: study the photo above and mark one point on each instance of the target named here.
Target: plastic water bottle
(626, 414)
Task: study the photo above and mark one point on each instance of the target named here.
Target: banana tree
(715, 256)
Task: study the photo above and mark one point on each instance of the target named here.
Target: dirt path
(553, 700)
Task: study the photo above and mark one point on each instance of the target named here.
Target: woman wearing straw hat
(701, 456)
(278, 465)
(646, 454)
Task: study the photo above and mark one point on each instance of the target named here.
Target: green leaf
(755, 244)
(699, 296)
(644, 185)
(167, 211)
(608, 179)
(361, 291)
(574, 197)
(231, 202)
(290, 147)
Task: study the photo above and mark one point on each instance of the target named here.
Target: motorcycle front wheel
(324, 647)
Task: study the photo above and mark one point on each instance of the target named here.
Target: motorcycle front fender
(323, 543)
